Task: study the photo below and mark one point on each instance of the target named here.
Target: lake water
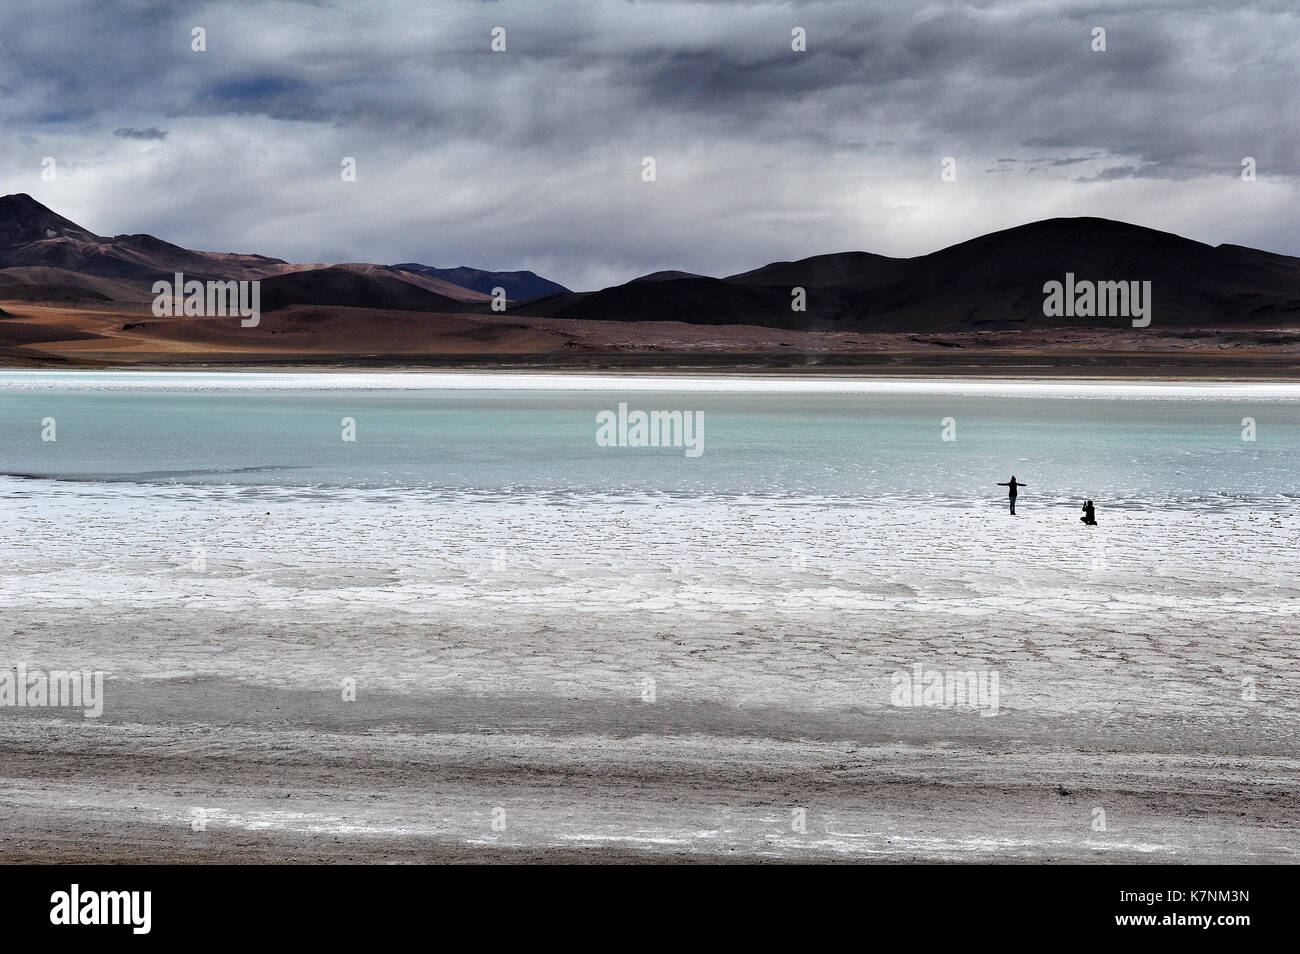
(856, 442)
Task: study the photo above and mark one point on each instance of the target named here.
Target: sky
(532, 158)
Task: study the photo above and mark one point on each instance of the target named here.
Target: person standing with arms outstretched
(1012, 484)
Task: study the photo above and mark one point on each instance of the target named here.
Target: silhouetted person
(1089, 514)
(1012, 484)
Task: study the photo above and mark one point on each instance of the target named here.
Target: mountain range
(69, 292)
(45, 256)
(994, 282)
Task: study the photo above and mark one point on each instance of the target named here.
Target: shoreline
(989, 374)
(108, 337)
(695, 381)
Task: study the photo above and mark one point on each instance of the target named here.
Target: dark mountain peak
(519, 286)
(345, 287)
(23, 219)
(148, 243)
(1080, 231)
(22, 203)
(834, 269)
(666, 276)
(20, 200)
(1087, 246)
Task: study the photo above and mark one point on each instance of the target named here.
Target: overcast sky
(532, 158)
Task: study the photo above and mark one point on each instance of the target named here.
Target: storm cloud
(128, 132)
(532, 157)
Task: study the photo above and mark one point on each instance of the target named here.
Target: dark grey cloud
(532, 158)
(1113, 172)
(130, 132)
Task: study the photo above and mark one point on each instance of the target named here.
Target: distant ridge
(343, 287)
(519, 286)
(990, 283)
(427, 282)
(34, 237)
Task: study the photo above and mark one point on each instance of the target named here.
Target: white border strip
(25, 380)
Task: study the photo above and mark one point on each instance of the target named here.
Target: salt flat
(521, 639)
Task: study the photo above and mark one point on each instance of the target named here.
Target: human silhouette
(1089, 514)
(1012, 484)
